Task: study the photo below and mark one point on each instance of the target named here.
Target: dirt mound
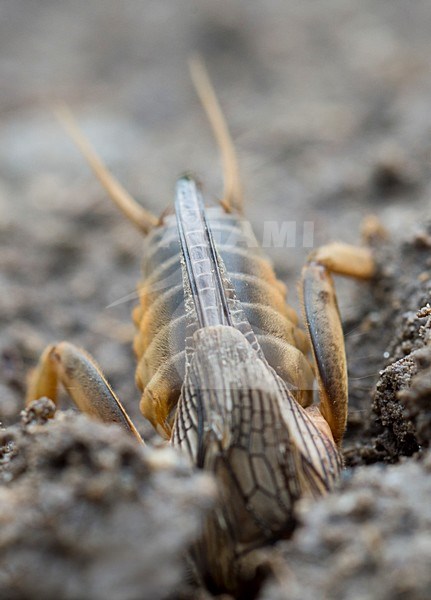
(368, 540)
(86, 513)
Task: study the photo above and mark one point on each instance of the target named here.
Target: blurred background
(329, 105)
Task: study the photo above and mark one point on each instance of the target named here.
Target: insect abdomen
(161, 320)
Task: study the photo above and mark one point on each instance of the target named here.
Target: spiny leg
(72, 367)
(324, 324)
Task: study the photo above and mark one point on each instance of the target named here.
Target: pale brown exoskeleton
(223, 366)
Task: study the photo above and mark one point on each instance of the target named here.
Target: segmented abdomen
(161, 320)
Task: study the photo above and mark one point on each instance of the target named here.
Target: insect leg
(324, 325)
(72, 367)
(345, 259)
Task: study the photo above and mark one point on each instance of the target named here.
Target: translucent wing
(210, 295)
(200, 257)
(236, 417)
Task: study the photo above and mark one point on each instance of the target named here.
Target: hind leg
(324, 325)
(72, 367)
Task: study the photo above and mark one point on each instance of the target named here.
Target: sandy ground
(329, 105)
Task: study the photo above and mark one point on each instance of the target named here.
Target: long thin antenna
(233, 196)
(141, 218)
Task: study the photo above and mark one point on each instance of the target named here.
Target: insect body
(162, 322)
(222, 365)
